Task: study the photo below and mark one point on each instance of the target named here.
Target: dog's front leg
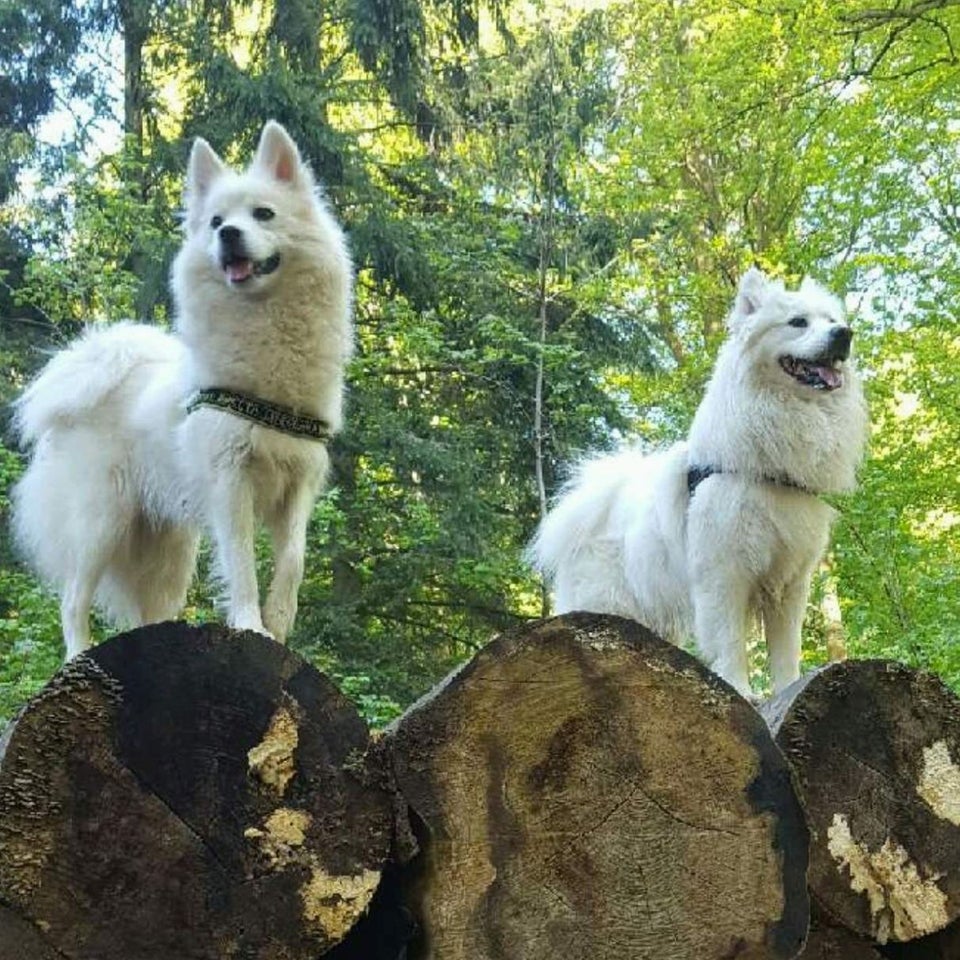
(782, 627)
(234, 527)
(722, 621)
(288, 528)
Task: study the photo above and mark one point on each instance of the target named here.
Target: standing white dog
(698, 540)
(141, 438)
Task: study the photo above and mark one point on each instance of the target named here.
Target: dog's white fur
(627, 538)
(122, 479)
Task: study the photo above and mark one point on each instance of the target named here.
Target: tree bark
(546, 249)
(836, 635)
(134, 22)
(582, 789)
(185, 792)
(21, 940)
(876, 750)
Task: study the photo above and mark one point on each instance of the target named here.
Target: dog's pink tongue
(239, 270)
(832, 378)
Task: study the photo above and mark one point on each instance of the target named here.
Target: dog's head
(799, 338)
(248, 225)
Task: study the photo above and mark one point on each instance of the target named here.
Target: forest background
(549, 205)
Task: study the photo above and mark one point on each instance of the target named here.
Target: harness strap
(272, 415)
(697, 474)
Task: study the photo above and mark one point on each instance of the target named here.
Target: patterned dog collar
(271, 415)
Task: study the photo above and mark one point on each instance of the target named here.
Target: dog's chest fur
(280, 350)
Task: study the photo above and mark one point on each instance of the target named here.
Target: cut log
(835, 943)
(21, 940)
(876, 748)
(585, 790)
(185, 792)
(944, 945)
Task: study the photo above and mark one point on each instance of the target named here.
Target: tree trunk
(583, 789)
(546, 245)
(836, 636)
(875, 747)
(183, 792)
(134, 17)
(21, 940)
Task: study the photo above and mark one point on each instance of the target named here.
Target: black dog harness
(696, 476)
(271, 415)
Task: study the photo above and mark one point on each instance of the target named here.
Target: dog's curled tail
(78, 379)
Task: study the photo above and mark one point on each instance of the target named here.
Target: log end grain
(586, 790)
(189, 792)
(876, 749)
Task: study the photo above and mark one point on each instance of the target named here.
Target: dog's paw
(274, 631)
(249, 621)
(278, 619)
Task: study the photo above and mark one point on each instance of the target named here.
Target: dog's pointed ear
(277, 156)
(203, 169)
(752, 292)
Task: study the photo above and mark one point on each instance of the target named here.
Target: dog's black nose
(840, 338)
(230, 236)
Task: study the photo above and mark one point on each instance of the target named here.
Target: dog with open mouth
(703, 539)
(142, 438)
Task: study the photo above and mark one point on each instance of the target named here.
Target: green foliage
(29, 618)
(898, 541)
(29, 652)
(39, 40)
(105, 254)
(552, 190)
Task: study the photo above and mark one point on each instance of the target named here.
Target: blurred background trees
(549, 206)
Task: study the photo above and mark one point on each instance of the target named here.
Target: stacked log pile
(580, 790)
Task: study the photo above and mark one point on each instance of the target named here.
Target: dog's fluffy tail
(586, 543)
(581, 511)
(78, 379)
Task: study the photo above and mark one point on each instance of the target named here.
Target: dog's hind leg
(75, 603)
(782, 627)
(72, 512)
(92, 550)
(288, 528)
(165, 581)
(147, 580)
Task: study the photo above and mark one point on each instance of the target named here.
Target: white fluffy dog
(698, 540)
(141, 438)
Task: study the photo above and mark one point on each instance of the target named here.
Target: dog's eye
(215, 222)
(262, 213)
(797, 321)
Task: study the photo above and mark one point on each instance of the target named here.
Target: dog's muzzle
(235, 260)
(824, 371)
